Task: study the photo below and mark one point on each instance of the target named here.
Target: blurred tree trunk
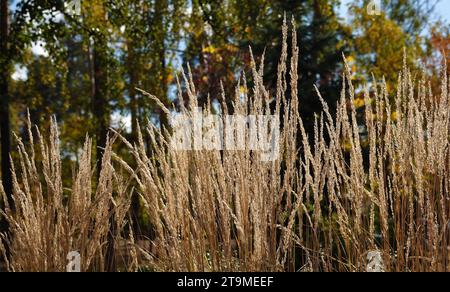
(100, 98)
(4, 113)
(160, 13)
(132, 70)
(100, 108)
(102, 118)
(163, 118)
(4, 102)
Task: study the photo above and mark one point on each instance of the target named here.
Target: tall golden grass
(370, 193)
(49, 222)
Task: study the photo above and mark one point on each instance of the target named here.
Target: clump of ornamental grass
(374, 182)
(215, 210)
(49, 223)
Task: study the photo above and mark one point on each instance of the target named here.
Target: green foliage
(382, 41)
(143, 42)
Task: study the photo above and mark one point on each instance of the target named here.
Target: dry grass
(372, 185)
(49, 222)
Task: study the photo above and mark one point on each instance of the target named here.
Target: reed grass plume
(50, 222)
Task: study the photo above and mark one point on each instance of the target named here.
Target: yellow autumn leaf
(394, 116)
(169, 78)
(232, 48)
(359, 102)
(209, 50)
